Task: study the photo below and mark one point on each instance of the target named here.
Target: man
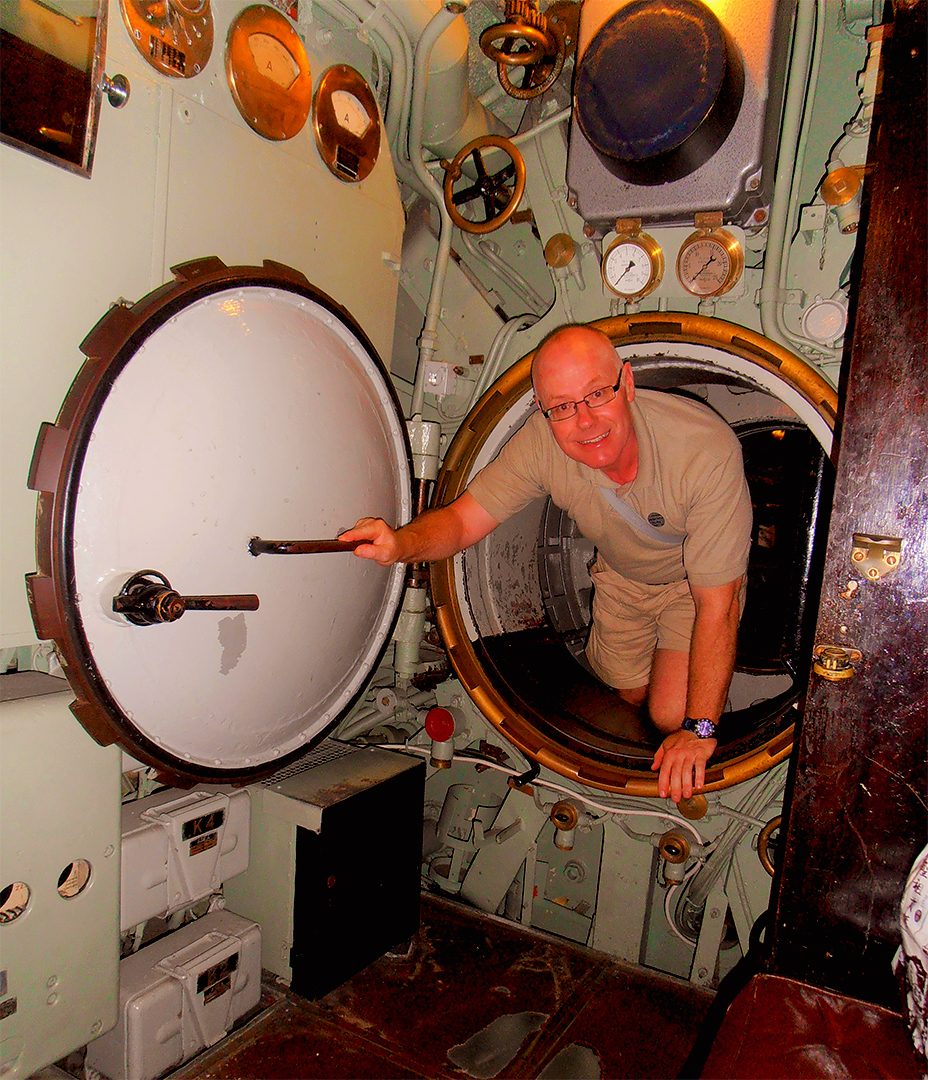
(658, 485)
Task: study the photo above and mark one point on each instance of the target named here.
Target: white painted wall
(178, 175)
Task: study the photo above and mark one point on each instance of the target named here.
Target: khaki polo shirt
(690, 482)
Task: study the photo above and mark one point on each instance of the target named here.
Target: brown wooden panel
(857, 805)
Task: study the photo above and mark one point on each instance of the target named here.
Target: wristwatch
(703, 728)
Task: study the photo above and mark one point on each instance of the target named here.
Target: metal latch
(835, 662)
(876, 556)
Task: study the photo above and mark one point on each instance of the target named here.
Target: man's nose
(584, 415)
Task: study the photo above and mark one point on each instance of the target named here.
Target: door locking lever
(147, 598)
(257, 546)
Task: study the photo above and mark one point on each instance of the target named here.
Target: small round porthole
(14, 899)
(74, 878)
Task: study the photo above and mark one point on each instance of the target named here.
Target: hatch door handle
(147, 599)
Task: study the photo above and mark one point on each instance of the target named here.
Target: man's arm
(682, 756)
(435, 534)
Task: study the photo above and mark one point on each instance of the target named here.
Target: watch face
(703, 728)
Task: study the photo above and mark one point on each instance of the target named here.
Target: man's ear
(629, 382)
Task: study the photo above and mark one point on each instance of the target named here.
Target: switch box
(180, 995)
(178, 847)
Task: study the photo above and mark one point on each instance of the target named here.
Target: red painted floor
(475, 997)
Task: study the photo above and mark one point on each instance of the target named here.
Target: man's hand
(382, 547)
(682, 758)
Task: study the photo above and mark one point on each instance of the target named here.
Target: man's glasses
(566, 409)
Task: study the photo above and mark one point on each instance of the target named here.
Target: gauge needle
(707, 264)
(626, 270)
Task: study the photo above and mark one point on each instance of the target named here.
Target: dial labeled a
(346, 123)
(268, 73)
(709, 263)
(633, 266)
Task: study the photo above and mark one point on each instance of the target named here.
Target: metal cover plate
(236, 403)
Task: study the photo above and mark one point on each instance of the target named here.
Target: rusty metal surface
(857, 812)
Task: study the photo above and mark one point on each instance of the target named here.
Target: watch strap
(702, 727)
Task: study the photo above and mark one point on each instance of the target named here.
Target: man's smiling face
(571, 364)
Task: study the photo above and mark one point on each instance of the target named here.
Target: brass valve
(674, 847)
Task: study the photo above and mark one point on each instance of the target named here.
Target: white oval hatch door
(232, 409)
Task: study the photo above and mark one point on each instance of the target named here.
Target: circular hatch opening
(514, 609)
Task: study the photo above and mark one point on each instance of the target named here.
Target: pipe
(802, 81)
(452, 116)
(489, 253)
(428, 339)
(496, 352)
(359, 16)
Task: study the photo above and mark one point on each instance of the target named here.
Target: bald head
(582, 344)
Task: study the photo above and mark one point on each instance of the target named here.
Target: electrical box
(640, 65)
(178, 847)
(180, 995)
(336, 848)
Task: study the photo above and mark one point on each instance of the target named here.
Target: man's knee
(635, 695)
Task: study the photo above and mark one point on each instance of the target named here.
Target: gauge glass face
(705, 267)
(627, 268)
(350, 113)
(273, 60)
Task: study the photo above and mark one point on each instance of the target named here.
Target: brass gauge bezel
(347, 154)
(270, 106)
(716, 240)
(651, 251)
(176, 39)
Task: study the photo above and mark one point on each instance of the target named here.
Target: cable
(671, 892)
(585, 799)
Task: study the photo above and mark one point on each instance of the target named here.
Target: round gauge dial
(346, 123)
(633, 266)
(350, 112)
(709, 263)
(268, 73)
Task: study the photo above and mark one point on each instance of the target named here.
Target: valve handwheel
(537, 76)
(535, 42)
(500, 192)
(561, 23)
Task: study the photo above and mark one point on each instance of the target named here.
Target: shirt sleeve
(718, 525)
(514, 477)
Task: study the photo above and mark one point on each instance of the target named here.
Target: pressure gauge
(633, 265)
(268, 73)
(346, 123)
(710, 262)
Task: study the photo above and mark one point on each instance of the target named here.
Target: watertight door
(232, 404)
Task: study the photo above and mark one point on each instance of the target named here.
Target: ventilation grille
(327, 750)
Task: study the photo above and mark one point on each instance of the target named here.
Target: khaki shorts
(630, 621)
